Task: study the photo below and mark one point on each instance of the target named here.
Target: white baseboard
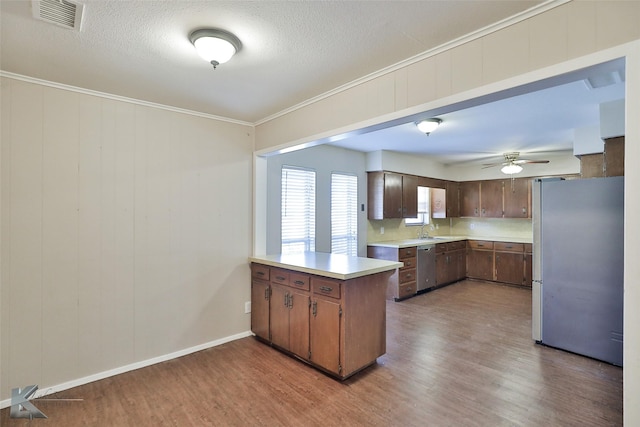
(46, 390)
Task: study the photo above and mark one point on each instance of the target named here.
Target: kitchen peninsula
(327, 310)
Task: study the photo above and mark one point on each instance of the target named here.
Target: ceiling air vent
(59, 12)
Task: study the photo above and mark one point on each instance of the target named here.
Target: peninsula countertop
(404, 243)
(342, 267)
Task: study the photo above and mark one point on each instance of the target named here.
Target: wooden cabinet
(392, 195)
(289, 311)
(402, 284)
(338, 326)
(509, 262)
(469, 198)
(260, 297)
(517, 198)
(438, 197)
(496, 198)
(450, 262)
(480, 260)
(453, 199)
(528, 264)
(491, 198)
(325, 324)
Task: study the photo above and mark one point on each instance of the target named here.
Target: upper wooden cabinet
(392, 195)
(496, 198)
(453, 199)
(470, 198)
(517, 198)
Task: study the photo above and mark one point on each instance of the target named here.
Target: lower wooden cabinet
(480, 260)
(402, 283)
(338, 326)
(451, 262)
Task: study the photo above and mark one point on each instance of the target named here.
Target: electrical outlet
(381, 230)
(247, 307)
(472, 226)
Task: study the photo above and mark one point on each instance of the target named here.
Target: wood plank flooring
(459, 356)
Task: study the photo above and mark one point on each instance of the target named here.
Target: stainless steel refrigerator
(578, 265)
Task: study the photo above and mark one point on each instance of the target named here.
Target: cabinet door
(299, 323)
(325, 334)
(461, 266)
(453, 200)
(470, 198)
(480, 265)
(517, 198)
(528, 269)
(279, 315)
(409, 196)
(491, 199)
(442, 268)
(393, 195)
(260, 295)
(510, 267)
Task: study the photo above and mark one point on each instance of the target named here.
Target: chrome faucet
(422, 234)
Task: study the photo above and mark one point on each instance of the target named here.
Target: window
(423, 208)
(344, 214)
(298, 210)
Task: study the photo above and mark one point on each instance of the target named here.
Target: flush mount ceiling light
(214, 45)
(428, 125)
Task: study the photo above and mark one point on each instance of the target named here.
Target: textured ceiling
(292, 50)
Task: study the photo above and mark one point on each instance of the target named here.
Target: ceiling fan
(512, 162)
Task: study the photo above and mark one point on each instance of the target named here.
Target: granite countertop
(444, 239)
(342, 267)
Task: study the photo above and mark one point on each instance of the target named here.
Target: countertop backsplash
(395, 229)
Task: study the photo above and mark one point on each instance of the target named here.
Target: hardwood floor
(459, 356)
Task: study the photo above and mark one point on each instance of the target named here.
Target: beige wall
(565, 32)
(571, 36)
(125, 234)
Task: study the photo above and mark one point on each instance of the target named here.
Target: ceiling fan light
(428, 125)
(215, 46)
(511, 169)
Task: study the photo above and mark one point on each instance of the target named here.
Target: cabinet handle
(290, 301)
(524, 211)
(266, 293)
(407, 263)
(480, 245)
(299, 282)
(286, 299)
(314, 309)
(326, 288)
(475, 211)
(509, 247)
(260, 273)
(281, 278)
(483, 211)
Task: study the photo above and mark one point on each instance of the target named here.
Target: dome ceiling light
(427, 126)
(214, 45)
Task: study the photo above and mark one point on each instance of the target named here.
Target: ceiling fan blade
(490, 165)
(521, 161)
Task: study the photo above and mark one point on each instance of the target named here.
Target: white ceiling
(292, 51)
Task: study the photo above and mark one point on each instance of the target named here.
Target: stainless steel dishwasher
(426, 267)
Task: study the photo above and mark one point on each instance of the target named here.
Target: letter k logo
(20, 405)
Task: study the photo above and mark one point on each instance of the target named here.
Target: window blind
(344, 214)
(298, 210)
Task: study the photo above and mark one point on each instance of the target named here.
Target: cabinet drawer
(408, 263)
(259, 271)
(407, 290)
(508, 247)
(408, 275)
(325, 287)
(409, 252)
(280, 276)
(299, 281)
(454, 246)
(480, 244)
